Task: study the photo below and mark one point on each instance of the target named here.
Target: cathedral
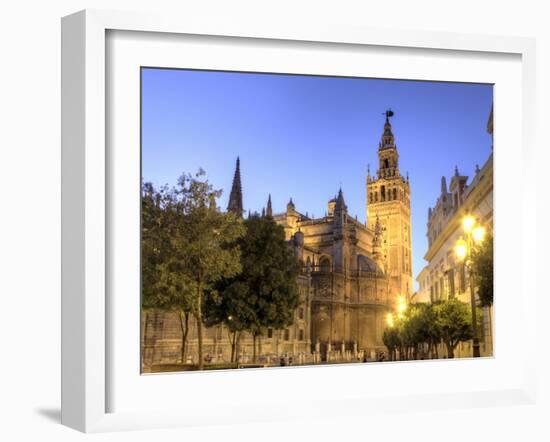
(352, 275)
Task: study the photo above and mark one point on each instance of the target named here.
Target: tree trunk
(145, 327)
(233, 345)
(450, 350)
(254, 336)
(184, 324)
(237, 347)
(199, 329)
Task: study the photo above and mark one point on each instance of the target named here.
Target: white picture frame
(86, 207)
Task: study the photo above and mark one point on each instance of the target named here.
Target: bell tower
(389, 212)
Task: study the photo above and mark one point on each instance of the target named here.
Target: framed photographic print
(249, 210)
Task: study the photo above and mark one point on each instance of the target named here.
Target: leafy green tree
(161, 287)
(417, 327)
(392, 341)
(432, 329)
(454, 323)
(203, 241)
(265, 293)
(229, 305)
(482, 264)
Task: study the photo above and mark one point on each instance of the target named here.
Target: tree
(265, 293)
(433, 331)
(418, 325)
(203, 241)
(229, 305)
(392, 341)
(482, 265)
(454, 323)
(160, 288)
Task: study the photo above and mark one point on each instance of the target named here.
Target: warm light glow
(401, 305)
(389, 320)
(461, 249)
(478, 234)
(468, 223)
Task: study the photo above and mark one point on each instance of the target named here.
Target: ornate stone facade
(443, 277)
(352, 274)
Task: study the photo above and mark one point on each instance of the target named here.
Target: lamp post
(475, 234)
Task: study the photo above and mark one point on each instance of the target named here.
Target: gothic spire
(236, 196)
(340, 203)
(269, 210)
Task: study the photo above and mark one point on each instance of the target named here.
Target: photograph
(303, 220)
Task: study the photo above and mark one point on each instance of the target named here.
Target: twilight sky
(304, 137)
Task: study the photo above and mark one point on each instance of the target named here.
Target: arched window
(394, 193)
(324, 264)
(386, 163)
(383, 193)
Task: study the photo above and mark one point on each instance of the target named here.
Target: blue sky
(304, 136)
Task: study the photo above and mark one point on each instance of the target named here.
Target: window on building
(451, 282)
(383, 193)
(301, 335)
(269, 333)
(324, 264)
(287, 334)
(301, 313)
(394, 194)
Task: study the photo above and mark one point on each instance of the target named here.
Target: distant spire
(456, 171)
(263, 212)
(477, 169)
(340, 203)
(236, 196)
(443, 185)
(269, 210)
(290, 206)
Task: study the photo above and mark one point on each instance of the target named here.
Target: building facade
(352, 274)
(444, 277)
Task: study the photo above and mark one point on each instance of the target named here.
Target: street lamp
(475, 234)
